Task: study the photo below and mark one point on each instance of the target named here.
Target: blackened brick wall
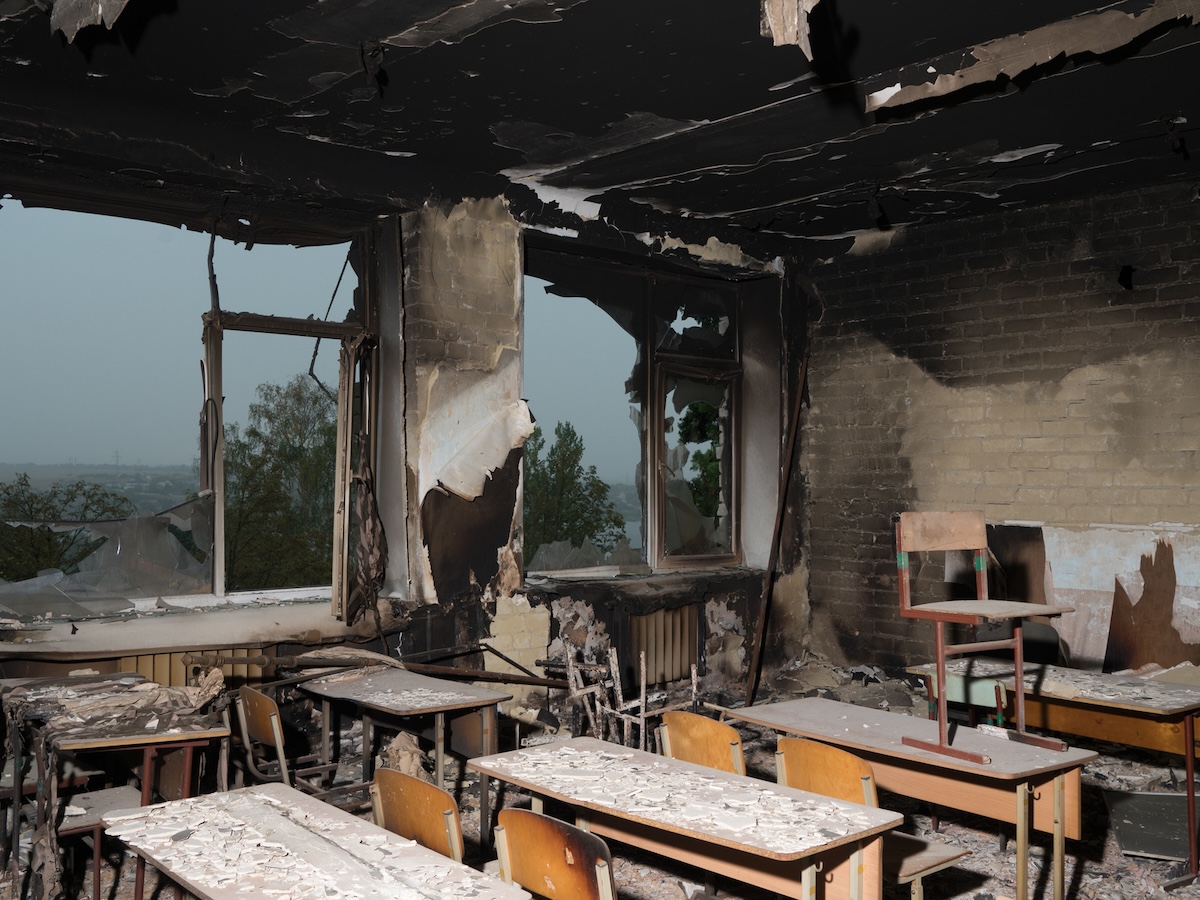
(997, 364)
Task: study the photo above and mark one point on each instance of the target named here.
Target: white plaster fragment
(881, 97)
(486, 450)
(1014, 155)
(572, 201)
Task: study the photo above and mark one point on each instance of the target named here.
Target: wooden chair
(266, 752)
(834, 772)
(417, 810)
(698, 739)
(964, 531)
(553, 859)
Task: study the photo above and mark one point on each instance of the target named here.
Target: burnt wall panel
(1041, 366)
(463, 415)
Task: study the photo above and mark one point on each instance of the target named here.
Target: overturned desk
(397, 693)
(273, 840)
(1134, 710)
(744, 828)
(1008, 788)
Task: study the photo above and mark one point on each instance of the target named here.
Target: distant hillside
(150, 488)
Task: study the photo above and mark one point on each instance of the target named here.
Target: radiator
(669, 638)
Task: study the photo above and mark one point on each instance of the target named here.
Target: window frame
(656, 366)
(730, 375)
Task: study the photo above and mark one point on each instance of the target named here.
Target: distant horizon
(102, 359)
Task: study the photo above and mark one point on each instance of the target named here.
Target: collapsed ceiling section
(784, 127)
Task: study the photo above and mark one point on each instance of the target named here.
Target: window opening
(582, 464)
(697, 482)
(676, 372)
(101, 507)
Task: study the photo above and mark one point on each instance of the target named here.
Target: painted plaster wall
(1000, 364)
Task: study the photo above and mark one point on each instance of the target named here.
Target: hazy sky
(100, 347)
(576, 363)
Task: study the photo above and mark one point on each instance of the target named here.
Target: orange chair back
(417, 810)
(553, 859)
(703, 741)
(824, 769)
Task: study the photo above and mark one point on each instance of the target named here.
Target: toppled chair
(417, 810)
(553, 859)
(834, 772)
(947, 532)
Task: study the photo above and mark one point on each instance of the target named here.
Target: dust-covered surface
(1095, 867)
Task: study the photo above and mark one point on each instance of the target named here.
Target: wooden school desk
(1134, 710)
(743, 828)
(1009, 788)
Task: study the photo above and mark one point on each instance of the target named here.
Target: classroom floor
(1096, 869)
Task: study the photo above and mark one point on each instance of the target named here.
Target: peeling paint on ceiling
(784, 128)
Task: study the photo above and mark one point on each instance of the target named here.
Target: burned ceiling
(675, 119)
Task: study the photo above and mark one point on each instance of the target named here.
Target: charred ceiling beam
(1089, 34)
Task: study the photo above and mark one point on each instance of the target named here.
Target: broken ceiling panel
(673, 118)
(786, 22)
(411, 25)
(69, 16)
(1090, 34)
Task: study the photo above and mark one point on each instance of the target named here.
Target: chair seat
(994, 610)
(907, 856)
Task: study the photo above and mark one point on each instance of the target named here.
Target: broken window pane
(694, 320)
(101, 366)
(582, 503)
(677, 332)
(696, 466)
(98, 568)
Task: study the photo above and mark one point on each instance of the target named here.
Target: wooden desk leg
(1189, 768)
(1060, 836)
(326, 725)
(14, 729)
(808, 882)
(485, 811)
(148, 754)
(439, 743)
(489, 739)
(368, 739)
(856, 873)
(1022, 841)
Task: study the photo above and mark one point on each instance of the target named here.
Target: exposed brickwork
(998, 364)
(461, 329)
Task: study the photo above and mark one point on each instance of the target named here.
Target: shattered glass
(696, 470)
(143, 556)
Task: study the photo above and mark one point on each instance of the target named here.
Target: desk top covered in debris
(272, 841)
(95, 711)
(880, 731)
(732, 810)
(400, 692)
(1139, 693)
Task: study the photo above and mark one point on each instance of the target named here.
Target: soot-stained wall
(1042, 366)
